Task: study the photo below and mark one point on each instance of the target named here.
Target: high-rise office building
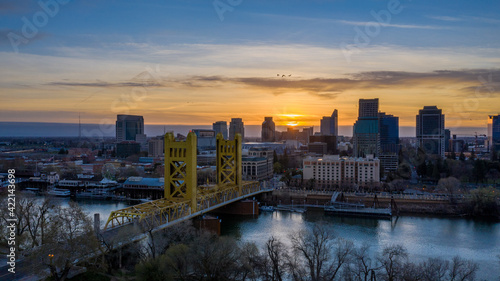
(389, 142)
(389, 132)
(128, 127)
(447, 139)
(366, 131)
(220, 127)
(330, 124)
(368, 108)
(268, 130)
(236, 126)
(494, 132)
(131, 128)
(430, 130)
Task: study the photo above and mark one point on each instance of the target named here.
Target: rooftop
(144, 181)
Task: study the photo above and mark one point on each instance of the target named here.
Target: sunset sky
(188, 62)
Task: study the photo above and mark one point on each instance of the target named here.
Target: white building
(331, 171)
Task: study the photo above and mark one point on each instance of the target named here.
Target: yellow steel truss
(180, 169)
(229, 161)
(182, 196)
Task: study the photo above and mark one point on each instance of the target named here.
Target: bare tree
(462, 269)
(250, 261)
(322, 256)
(434, 269)
(70, 239)
(392, 260)
(25, 206)
(214, 258)
(451, 185)
(275, 261)
(37, 220)
(361, 267)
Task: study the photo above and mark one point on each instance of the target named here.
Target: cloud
(331, 87)
(102, 84)
(4, 36)
(445, 18)
(468, 82)
(407, 26)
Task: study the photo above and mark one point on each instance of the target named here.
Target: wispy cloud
(445, 18)
(327, 88)
(484, 19)
(4, 36)
(406, 26)
(102, 84)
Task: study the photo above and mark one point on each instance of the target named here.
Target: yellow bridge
(183, 198)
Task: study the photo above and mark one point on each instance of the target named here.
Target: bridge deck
(163, 211)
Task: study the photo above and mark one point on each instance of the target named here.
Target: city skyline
(255, 60)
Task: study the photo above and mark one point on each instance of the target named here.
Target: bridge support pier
(208, 223)
(243, 207)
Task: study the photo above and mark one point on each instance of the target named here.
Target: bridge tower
(229, 171)
(180, 170)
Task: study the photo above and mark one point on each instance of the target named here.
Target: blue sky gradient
(201, 66)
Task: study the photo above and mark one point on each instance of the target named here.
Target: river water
(423, 237)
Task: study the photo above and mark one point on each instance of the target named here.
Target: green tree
(462, 156)
(284, 159)
(479, 170)
(484, 202)
(435, 171)
(452, 155)
(277, 168)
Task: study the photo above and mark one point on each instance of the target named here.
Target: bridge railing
(162, 211)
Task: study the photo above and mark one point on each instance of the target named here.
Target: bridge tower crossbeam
(182, 195)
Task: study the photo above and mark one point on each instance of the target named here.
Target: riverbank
(401, 204)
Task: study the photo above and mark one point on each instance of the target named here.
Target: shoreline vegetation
(184, 253)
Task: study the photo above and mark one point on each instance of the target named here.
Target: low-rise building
(268, 154)
(254, 168)
(318, 148)
(333, 171)
(139, 187)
